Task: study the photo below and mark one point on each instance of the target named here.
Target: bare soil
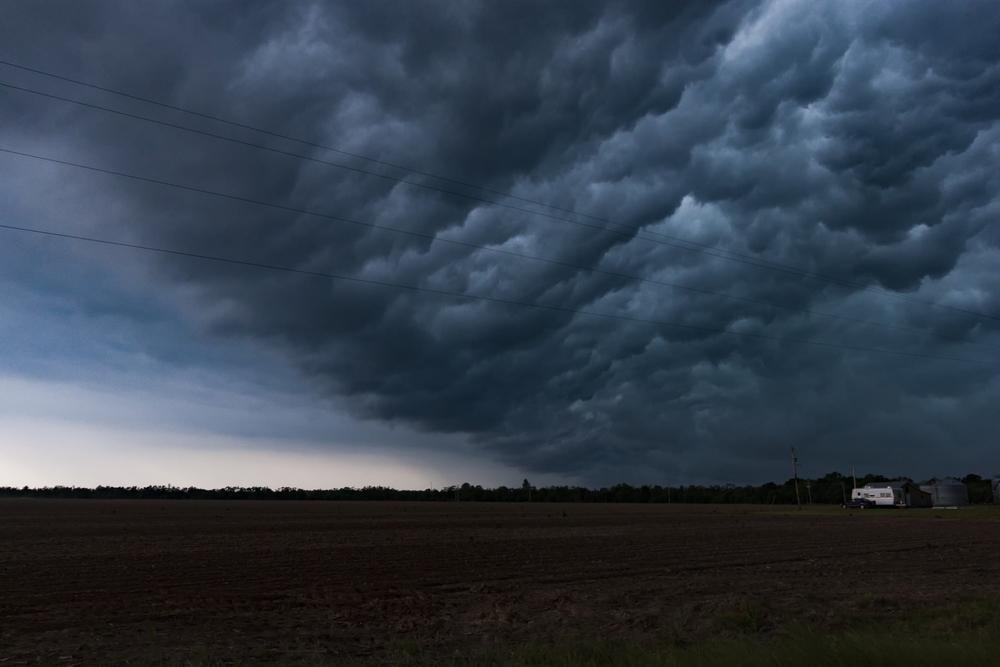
(214, 582)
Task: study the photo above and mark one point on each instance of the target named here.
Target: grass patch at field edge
(853, 649)
(966, 634)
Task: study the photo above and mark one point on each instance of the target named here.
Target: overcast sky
(744, 226)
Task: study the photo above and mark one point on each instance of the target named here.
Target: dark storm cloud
(857, 141)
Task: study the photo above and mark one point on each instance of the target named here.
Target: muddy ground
(215, 582)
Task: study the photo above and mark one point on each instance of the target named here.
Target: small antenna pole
(795, 474)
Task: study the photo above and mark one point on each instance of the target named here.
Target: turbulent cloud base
(855, 141)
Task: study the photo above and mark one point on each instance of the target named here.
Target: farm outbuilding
(996, 490)
(947, 492)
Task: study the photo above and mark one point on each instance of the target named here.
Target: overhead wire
(286, 137)
(458, 242)
(477, 297)
(614, 228)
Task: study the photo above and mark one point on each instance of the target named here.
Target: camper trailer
(892, 494)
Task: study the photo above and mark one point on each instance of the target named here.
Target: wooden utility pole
(795, 474)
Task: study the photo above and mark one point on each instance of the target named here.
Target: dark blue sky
(806, 191)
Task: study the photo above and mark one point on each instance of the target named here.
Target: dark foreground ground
(213, 582)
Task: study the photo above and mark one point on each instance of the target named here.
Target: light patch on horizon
(39, 453)
(61, 433)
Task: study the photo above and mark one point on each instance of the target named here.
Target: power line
(478, 297)
(304, 142)
(612, 227)
(465, 244)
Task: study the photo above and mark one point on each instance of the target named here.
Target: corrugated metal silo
(947, 492)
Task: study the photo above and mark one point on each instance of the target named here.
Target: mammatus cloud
(855, 141)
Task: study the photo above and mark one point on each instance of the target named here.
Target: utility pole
(854, 477)
(795, 474)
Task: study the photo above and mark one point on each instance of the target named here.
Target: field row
(354, 579)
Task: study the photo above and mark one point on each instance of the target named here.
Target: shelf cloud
(822, 177)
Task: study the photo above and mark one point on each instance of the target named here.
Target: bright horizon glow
(37, 454)
(64, 434)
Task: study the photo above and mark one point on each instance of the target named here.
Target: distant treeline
(832, 488)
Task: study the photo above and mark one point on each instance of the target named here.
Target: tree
(526, 487)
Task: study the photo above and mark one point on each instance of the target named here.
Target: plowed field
(186, 582)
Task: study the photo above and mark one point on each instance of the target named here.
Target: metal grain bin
(947, 492)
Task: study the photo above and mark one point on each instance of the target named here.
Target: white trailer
(893, 494)
(883, 496)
